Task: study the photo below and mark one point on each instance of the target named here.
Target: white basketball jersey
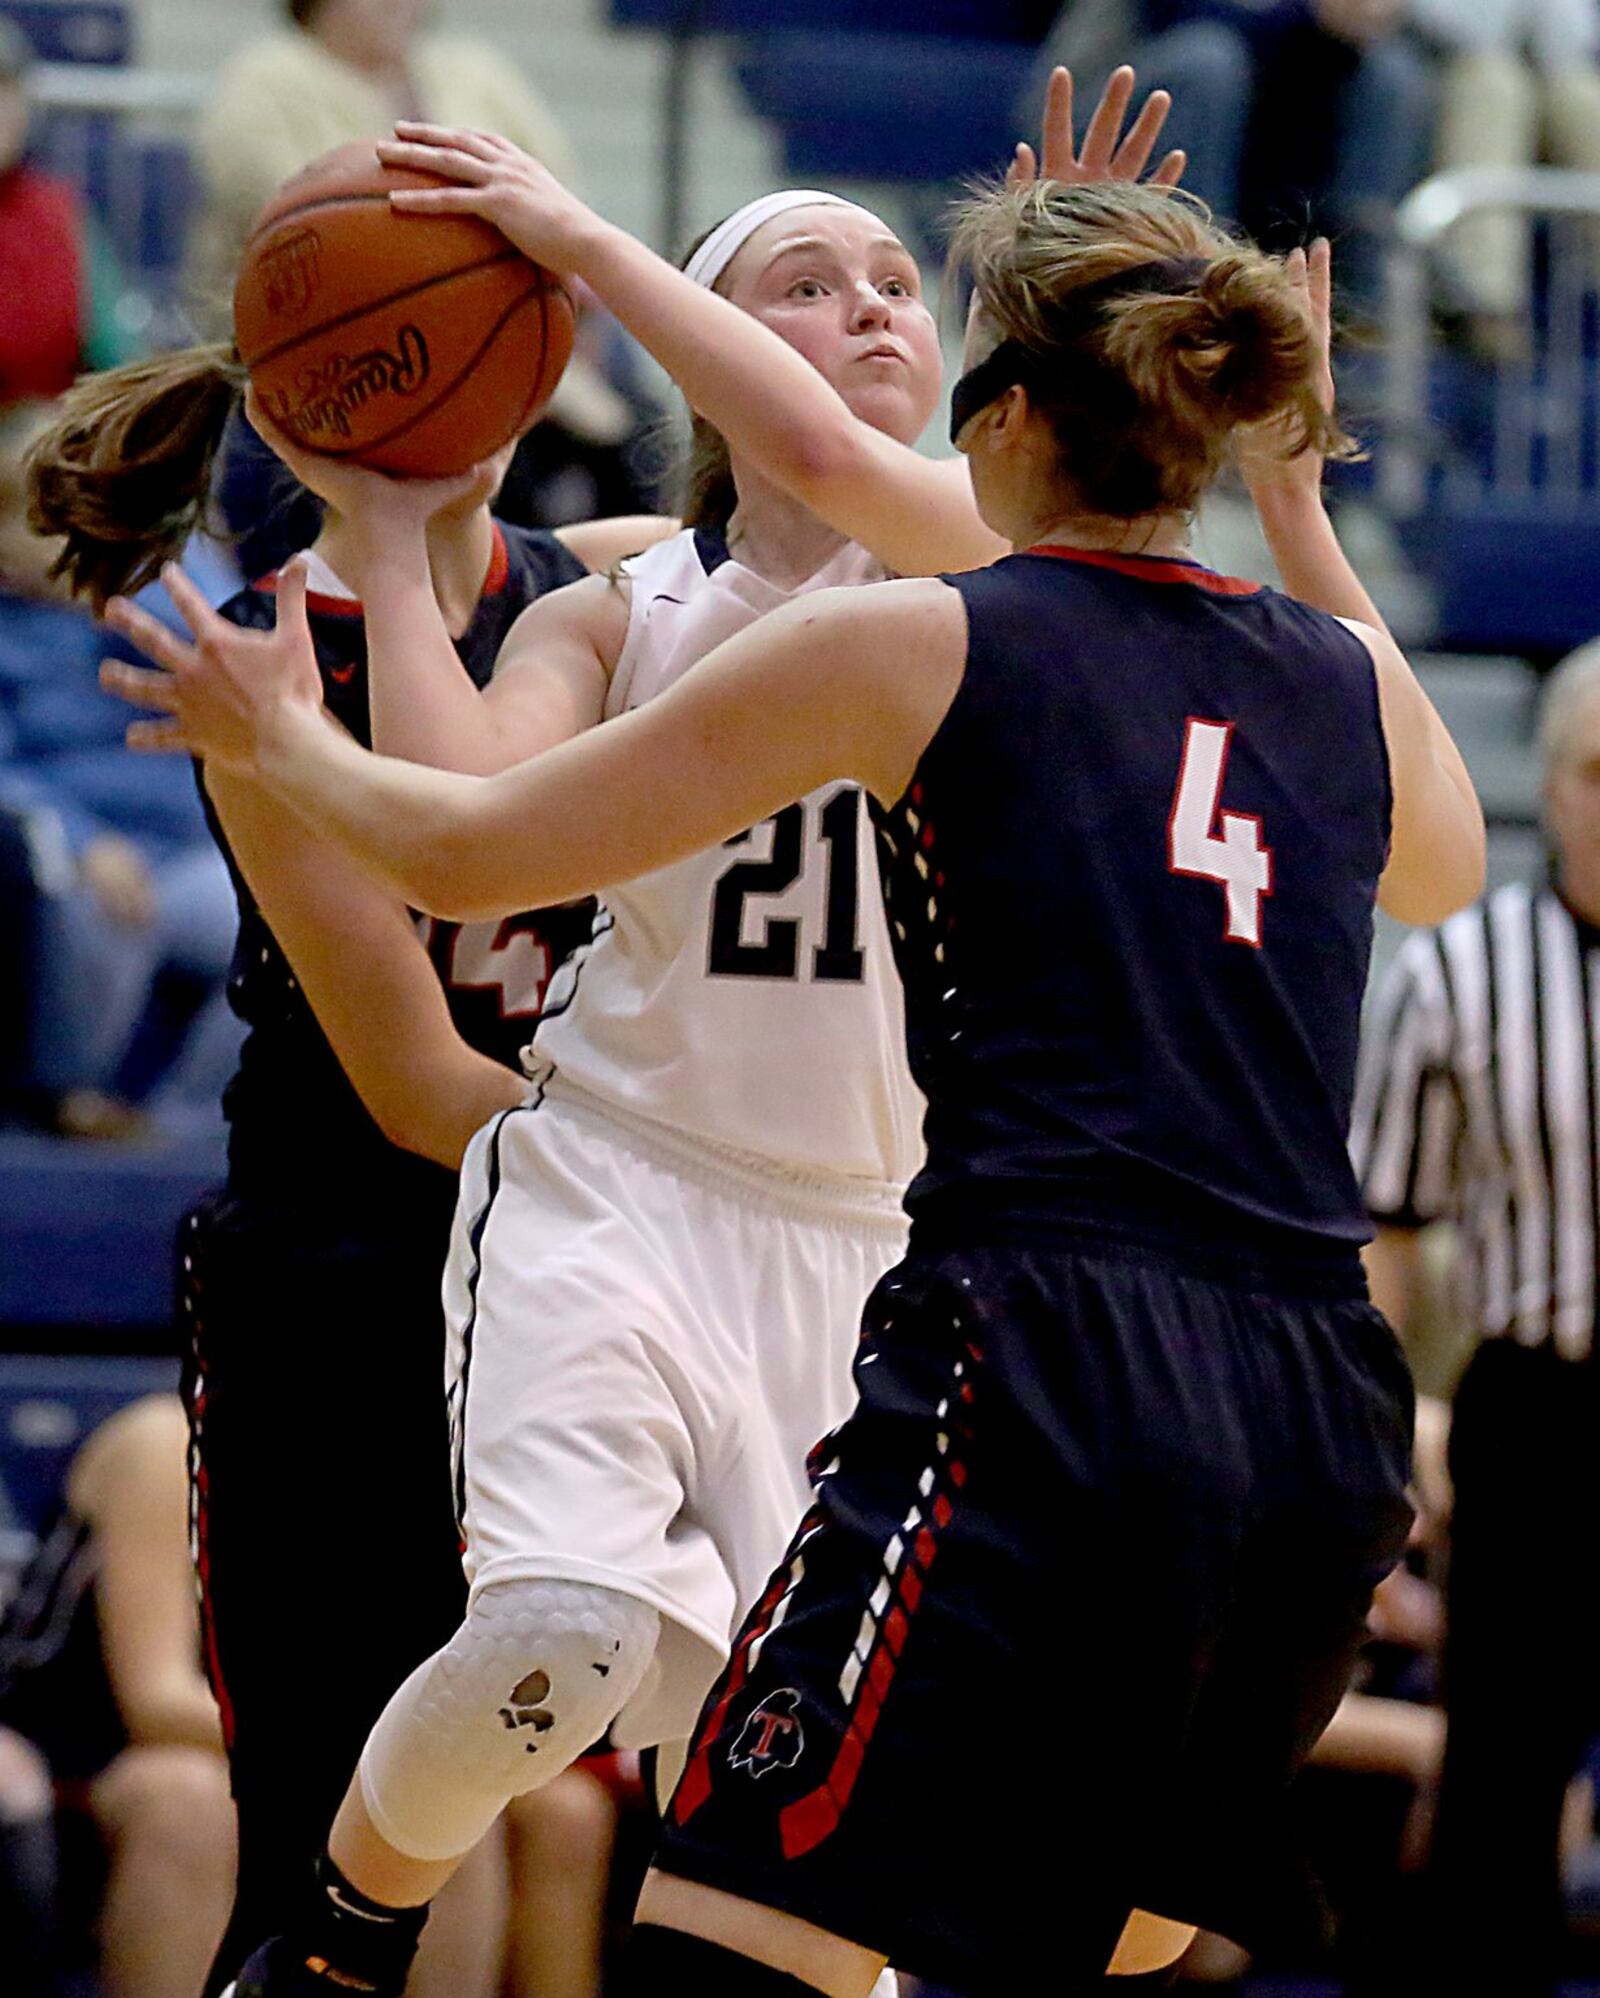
(745, 997)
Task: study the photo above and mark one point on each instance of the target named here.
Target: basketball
(412, 344)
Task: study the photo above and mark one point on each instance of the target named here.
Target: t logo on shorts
(772, 1738)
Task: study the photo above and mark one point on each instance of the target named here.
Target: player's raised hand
(1107, 153)
(1267, 453)
(229, 695)
(494, 179)
(376, 504)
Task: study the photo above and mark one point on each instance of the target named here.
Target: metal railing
(1544, 428)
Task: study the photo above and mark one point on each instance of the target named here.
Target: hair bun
(1173, 371)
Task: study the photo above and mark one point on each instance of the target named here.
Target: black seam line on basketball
(390, 298)
(544, 348)
(370, 444)
(355, 199)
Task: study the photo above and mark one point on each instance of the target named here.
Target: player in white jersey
(776, 940)
(659, 1260)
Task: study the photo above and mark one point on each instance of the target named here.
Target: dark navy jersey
(1131, 892)
(294, 1116)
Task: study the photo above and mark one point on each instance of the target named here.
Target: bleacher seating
(892, 92)
(87, 1232)
(990, 20)
(74, 30)
(872, 105)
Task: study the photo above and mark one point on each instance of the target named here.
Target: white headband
(728, 238)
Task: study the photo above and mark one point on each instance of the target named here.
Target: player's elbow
(826, 460)
(402, 1127)
(1425, 897)
(1435, 870)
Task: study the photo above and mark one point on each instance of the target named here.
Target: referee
(1478, 1101)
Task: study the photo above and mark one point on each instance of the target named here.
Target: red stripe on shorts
(804, 1824)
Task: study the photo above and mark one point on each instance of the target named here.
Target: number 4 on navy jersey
(1236, 856)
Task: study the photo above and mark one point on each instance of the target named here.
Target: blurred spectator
(598, 452)
(100, 1665)
(347, 69)
(132, 919)
(60, 288)
(1299, 117)
(341, 70)
(27, 1869)
(1520, 83)
(1478, 1101)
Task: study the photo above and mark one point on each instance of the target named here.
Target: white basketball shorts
(645, 1340)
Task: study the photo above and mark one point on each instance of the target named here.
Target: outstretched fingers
(294, 580)
(1319, 283)
(1133, 155)
(139, 687)
(193, 606)
(157, 737)
(1096, 160)
(156, 640)
(1107, 152)
(1057, 141)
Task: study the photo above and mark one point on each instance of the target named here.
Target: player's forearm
(765, 399)
(1310, 561)
(1383, 1737)
(1392, 1261)
(422, 703)
(178, 1713)
(412, 828)
(435, 1105)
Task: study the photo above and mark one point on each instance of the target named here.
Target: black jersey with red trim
(1131, 891)
(293, 1114)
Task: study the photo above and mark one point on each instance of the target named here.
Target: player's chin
(893, 402)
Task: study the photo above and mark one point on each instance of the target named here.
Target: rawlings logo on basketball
(772, 1738)
(291, 272)
(334, 391)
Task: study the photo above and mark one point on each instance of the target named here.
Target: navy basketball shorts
(1083, 1579)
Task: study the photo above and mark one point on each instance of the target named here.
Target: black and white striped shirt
(1476, 1100)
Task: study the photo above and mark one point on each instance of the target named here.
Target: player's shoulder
(531, 560)
(896, 603)
(594, 609)
(685, 560)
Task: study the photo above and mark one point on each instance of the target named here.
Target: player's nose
(868, 306)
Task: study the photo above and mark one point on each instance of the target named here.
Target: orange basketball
(413, 344)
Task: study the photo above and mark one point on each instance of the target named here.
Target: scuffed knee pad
(535, 1675)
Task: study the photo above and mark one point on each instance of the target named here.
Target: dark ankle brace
(360, 1938)
(663, 1963)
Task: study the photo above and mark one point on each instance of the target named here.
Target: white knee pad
(535, 1675)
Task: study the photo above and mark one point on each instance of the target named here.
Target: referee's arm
(1405, 1125)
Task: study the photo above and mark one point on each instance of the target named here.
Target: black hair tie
(1012, 362)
